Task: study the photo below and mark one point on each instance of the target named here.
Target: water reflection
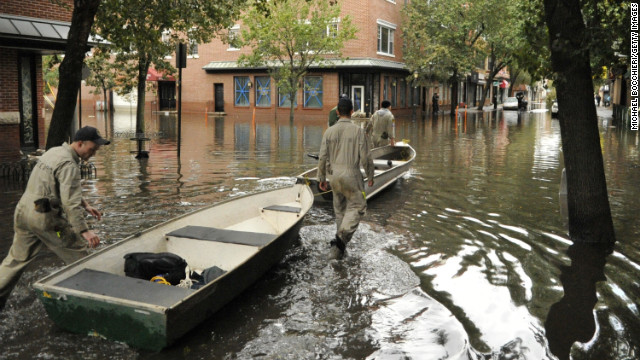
(466, 257)
(572, 319)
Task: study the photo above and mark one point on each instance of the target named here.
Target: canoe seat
(124, 287)
(223, 235)
(283, 208)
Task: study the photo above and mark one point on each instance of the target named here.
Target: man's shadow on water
(571, 319)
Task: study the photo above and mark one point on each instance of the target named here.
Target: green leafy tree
(103, 72)
(50, 74)
(503, 36)
(291, 36)
(143, 33)
(441, 40)
(70, 70)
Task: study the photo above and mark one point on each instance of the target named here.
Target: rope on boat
(186, 282)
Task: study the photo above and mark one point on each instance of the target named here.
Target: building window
(385, 89)
(403, 92)
(166, 36)
(232, 37)
(241, 88)
(313, 92)
(386, 32)
(263, 91)
(332, 29)
(192, 48)
(284, 100)
(394, 92)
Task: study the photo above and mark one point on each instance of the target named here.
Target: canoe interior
(95, 295)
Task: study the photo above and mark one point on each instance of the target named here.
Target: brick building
(28, 30)
(374, 71)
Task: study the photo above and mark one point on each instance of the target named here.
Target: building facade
(374, 71)
(28, 30)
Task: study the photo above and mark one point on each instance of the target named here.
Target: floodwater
(466, 257)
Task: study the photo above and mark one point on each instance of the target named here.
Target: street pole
(181, 62)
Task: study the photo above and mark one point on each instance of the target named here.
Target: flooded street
(466, 257)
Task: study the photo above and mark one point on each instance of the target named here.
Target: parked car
(510, 104)
(554, 109)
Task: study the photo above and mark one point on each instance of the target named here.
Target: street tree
(103, 72)
(588, 204)
(70, 70)
(441, 38)
(288, 37)
(503, 36)
(143, 33)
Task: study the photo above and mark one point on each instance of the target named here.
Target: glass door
(357, 95)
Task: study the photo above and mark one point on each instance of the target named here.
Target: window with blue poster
(284, 100)
(263, 91)
(313, 92)
(241, 88)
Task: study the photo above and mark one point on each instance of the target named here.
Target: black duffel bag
(147, 265)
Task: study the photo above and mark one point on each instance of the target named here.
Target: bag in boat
(147, 265)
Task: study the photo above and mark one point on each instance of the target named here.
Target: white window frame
(191, 44)
(382, 24)
(235, 29)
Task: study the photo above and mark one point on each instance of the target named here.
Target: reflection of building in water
(167, 126)
(218, 134)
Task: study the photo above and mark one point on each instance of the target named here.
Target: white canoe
(243, 236)
(390, 162)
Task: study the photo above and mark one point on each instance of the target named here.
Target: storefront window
(402, 84)
(284, 100)
(241, 88)
(263, 91)
(313, 92)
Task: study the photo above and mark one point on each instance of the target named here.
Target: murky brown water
(465, 258)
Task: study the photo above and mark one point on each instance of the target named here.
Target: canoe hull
(401, 157)
(150, 326)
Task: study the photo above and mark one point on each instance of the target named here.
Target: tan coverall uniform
(346, 148)
(55, 176)
(381, 122)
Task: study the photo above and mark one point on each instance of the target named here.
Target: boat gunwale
(44, 287)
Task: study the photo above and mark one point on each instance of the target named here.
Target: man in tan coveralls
(346, 148)
(50, 212)
(382, 126)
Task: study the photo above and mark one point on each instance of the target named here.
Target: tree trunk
(143, 68)
(588, 204)
(104, 105)
(487, 86)
(292, 100)
(70, 72)
(454, 93)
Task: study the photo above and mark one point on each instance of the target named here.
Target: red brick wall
(9, 143)
(9, 80)
(364, 16)
(42, 9)
(40, 101)
(9, 134)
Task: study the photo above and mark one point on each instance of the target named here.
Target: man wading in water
(346, 148)
(50, 212)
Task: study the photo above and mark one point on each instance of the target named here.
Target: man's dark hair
(344, 107)
(385, 103)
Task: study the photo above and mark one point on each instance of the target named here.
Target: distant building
(28, 30)
(374, 71)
